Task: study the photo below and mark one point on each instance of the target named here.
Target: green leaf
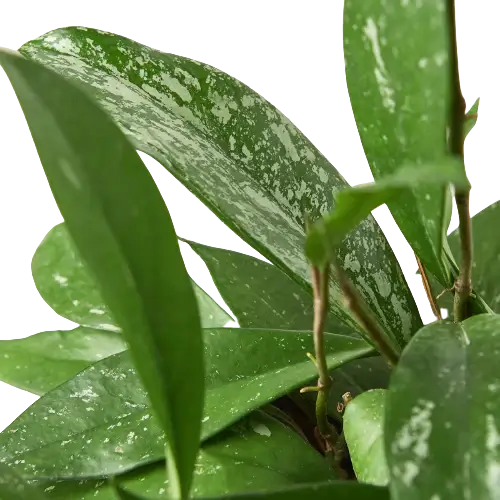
(67, 285)
(354, 204)
(471, 118)
(363, 430)
(260, 294)
(43, 361)
(443, 413)
(233, 150)
(257, 454)
(13, 487)
(397, 70)
(100, 423)
(122, 229)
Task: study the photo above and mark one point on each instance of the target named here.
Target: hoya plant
(331, 387)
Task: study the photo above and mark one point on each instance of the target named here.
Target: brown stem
(428, 290)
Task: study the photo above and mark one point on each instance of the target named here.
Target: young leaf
(354, 204)
(65, 282)
(397, 70)
(233, 150)
(108, 427)
(471, 118)
(13, 487)
(260, 294)
(43, 361)
(443, 413)
(363, 431)
(122, 229)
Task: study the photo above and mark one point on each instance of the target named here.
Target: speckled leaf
(43, 361)
(96, 423)
(471, 118)
(486, 262)
(363, 431)
(352, 205)
(67, 285)
(122, 229)
(443, 413)
(396, 57)
(13, 487)
(257, 454)
(260, 294)
(233, 150)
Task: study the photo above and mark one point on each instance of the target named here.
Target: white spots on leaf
(188, 78)
(222, 106)
(492, 459)
(440, 58)
(423, 62)
(86, 395)
(383, 283)
(176, 86)
(62, 280)
(351, 263)
(205, 419)
(97, 311)
(283, 135)
(386, 91)
(403, 314)
(248, 101)
(261, 429)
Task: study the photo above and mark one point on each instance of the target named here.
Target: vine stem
(428, 290)
(463, 283)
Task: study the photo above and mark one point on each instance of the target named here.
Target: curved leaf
(12, 487)
(233, 150)
(41, 362)
(397, 73)
(66, 284)
(95, 424)
(471, 118)
(363, 431)
(443, 413)
(260, 294)
(122, 228)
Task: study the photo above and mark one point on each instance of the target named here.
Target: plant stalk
(428, 290)
(366, 319)
(463, 283)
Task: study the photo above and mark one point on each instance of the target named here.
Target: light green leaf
(122, 229)
(471, 118)
(43, 361)
(13, 487)
(67, 285)
(363, 430)
(443, 413)
(354, 204)
(100, 423)
(233, 150)
(397, 70)
(260, 294)
(257, 454)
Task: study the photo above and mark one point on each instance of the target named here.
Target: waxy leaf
(363, 431)
(100, 422)
(471, 118)
(13, 487)
(443, 413)
(122, 229)
(354, 204)
(67, 285)
(235, 152)
(260, 294)
(257, 454)
(398, 76)
(43, 361)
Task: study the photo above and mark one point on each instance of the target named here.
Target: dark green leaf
(397, 71)
(13, 487)
(122, 229)
(363, 430)
(471, 118)
(233, 150)
(260, 294)
(100, 423)
(67, 285)
(354, 204)
(43, 361)
(443, 413)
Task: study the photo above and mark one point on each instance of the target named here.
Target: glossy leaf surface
(233, 150)
(67, 285)
(123, 231)
(363, 431)
(43, 361)
(100, 422)
(443, 413)
(397, 70)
